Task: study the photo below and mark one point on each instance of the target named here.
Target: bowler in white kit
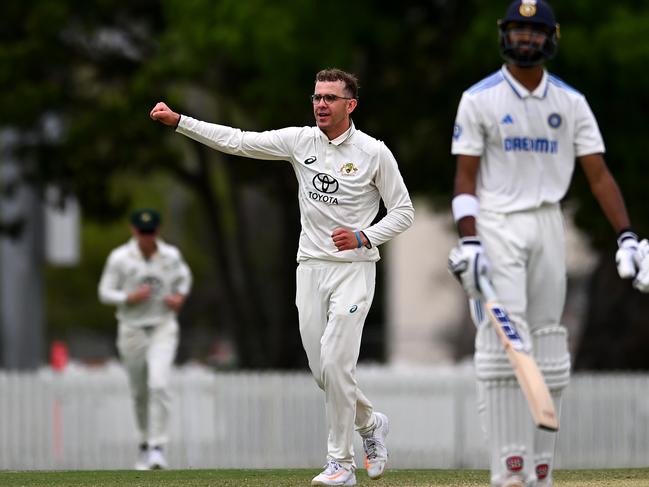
(516, 137)
(342, 175)
(148, 280)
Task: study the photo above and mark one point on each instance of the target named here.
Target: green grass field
(289, 478)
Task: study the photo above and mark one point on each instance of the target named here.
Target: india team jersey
(527, 141)
(341, 182)
(127, 270)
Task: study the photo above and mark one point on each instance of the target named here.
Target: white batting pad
(551, 352)
(491, 361)
(509, 429)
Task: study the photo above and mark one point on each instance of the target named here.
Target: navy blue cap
(145, 220)
(529, 12)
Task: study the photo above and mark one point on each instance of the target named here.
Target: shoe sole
(330, 485)
(350, 481)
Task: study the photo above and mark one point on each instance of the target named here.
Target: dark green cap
(145, 220)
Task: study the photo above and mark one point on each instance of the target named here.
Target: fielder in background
(148, 280)
(342, 174)
(516, 137)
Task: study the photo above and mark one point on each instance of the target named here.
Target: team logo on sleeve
(348, 169)
(554, 120)
(457, 131)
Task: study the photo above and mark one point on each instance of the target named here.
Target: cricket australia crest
(348, 169)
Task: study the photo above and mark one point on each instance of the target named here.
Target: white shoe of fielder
(142, 462)
(335, 474)
(376, 453)
(156, 459)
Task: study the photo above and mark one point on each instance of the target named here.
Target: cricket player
(148, 280)
(342, 174)
(516, 137)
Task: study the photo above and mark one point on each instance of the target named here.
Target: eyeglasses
(328, 98)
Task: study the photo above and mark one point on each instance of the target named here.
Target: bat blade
(527, 371)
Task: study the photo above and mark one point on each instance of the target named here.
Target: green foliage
(95, 69)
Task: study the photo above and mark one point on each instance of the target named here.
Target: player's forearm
(394, 193)
(610, 199)
(257, 145)
(396, 221)
(219, 137)
(184, 283)
(111, 296)
(466, 227)
(465, 203)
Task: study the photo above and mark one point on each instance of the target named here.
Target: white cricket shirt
(126, 270)
(527, 141)
(340, 182)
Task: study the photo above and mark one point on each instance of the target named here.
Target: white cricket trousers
(528, 262)
(333, 299)
(148, 353)
(527, 254)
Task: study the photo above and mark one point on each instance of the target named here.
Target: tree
(78, 81)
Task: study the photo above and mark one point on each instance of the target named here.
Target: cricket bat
(527, 371)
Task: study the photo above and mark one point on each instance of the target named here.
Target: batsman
(516, 137)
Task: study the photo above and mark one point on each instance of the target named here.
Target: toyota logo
(325, 183)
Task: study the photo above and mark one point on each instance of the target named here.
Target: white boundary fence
(82, 419)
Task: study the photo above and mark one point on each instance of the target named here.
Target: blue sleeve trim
(488, 82)
(556, 81)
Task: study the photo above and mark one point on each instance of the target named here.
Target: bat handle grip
(486, 288)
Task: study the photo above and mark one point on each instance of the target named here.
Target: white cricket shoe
(142, 462)
(376, 453)
(156, 459)
(335, 474)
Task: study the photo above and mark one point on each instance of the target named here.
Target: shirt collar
(540, 92)
(136, 248)
(342, 137)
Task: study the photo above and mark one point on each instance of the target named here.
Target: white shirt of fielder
(341, 182)
(127, 270)
(527, 141)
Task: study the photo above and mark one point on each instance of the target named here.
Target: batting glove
(627, 244)
(641, 258)
(467, 261)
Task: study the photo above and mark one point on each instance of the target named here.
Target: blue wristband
(358, 239)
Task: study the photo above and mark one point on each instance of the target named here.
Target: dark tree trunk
(616, 325)
(240, 313)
